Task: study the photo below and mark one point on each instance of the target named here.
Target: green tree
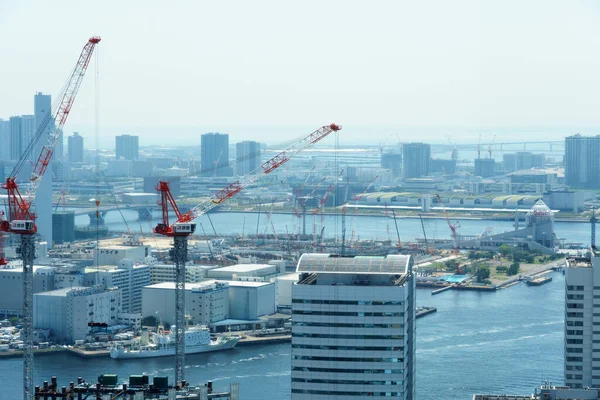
(483, 272)
(505, 250)
(513, 269)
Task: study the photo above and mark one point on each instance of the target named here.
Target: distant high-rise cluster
(75, 148)
(582, 161)
(247, 157)
(415, 160)
(214, 155)
(127, 147)
(522, 160)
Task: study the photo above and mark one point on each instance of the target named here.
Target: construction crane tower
(184, 226)
(21, 218)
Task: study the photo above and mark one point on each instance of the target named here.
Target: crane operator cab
(22, 226)
(184, 228)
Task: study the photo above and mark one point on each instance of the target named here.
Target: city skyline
(450, 68)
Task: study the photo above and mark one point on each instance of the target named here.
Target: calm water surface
(503, 342)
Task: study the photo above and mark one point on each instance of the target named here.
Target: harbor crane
(21, 218)
(184, 226)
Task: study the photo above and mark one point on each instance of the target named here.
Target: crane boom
(234, 188)
(21, 219)
(183, 227)
(19, 206)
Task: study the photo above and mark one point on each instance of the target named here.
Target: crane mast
(184, 226)
(21, 219)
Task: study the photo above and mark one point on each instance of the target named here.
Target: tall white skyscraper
(127, 147)
(582, 322)
(247, 157)
(43, 198)
(353, 328)
(21, 131)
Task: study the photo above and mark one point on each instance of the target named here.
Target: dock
(539, 281)
(423, 311)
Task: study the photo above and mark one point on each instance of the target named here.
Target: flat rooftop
(579, 262)
(244, 267)
(328, 263)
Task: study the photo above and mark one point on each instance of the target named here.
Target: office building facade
(415, 160)
(127, 147)
(4, 140)
(485, 167)
(247, 157)
(75, 148)
(353, 327)
(393, 162)
(21, 131)
(582, 337)
(214, 155)
(582, 161)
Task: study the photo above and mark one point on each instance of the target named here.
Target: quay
(538, 281)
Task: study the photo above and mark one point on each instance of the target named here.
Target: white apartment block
(166, 273)
(353, 328)
(582, 322)
(128, 277)
(67, 312)
(11, 286)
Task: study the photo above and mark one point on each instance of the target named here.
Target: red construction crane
(184, 226)
(21, 219)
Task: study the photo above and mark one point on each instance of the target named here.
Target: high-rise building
(21, 131)
(353, 327)
(393, 162)
(522, 160)
(214, 155)
(582, 161)
(127, 147)
(485, 167)
(247, 157)
(582, 337)
(415, 160)
(4, 140)
(42, 105)
(75, 148)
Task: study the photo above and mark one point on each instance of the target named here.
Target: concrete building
(582, 285)
(284, 289)
(113, 254)
(63, 226)
(447, 167)
(415, 160)
(127, 147)
(66, 312)
(251, 300)
(205, 302)
(11, 287)
(547, 392)
(126, 276)
(393, 162)
(247, 157)
(570, 201)
(166, 273)
(75, 148)
(21, 131)
(239, 271)
(214, 155)
(485, 167)
(4, 141)
(522, 160)
(582, 161)
(353, 327)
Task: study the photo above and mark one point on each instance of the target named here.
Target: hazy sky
(177, 69)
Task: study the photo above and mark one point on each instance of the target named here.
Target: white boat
(197, 340)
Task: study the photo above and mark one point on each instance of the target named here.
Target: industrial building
(238, 271)
(251, 300)
(166, 272)
(205, 302)
(485, 167)
(67, 312)
(353, 327)
(393, 162)
(112, 254)
(11, 287)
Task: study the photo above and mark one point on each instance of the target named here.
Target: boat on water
(197, 340)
